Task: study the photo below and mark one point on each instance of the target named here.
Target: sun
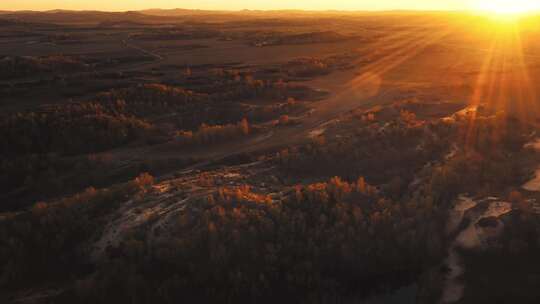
(507, 7)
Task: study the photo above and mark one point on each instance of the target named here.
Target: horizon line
(245, 10)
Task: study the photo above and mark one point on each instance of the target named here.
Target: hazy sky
(122, 5)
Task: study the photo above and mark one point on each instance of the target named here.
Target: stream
(472, 236)
(463, 225)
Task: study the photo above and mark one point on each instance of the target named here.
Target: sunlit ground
(503, 80)
(504, 84)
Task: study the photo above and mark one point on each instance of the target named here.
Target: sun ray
(404, 50)
(503, 85)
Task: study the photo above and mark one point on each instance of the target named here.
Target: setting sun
(507, 7)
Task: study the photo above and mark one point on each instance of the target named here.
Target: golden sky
(122, 5)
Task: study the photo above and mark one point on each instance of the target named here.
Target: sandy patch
(535, 145)
(534, 184)
(316, 133)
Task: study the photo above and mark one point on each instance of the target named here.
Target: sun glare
(507, 7)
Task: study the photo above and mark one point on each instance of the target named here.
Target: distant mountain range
(155, 16)
(82, 17)
(146, 16)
